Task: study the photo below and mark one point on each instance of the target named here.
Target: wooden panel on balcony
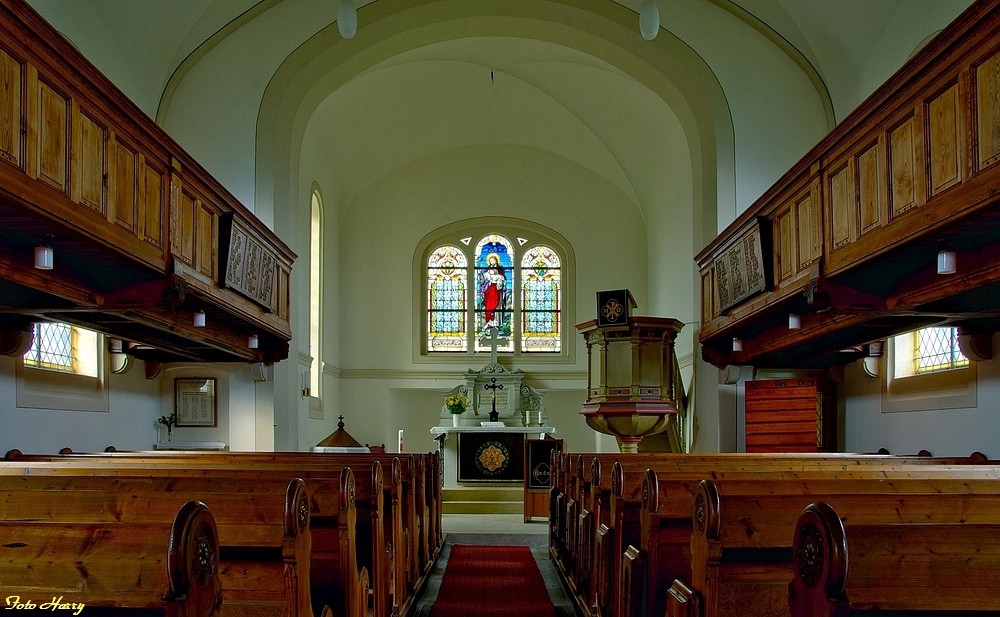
(871, 187)
(708, 302)
(12, 76)
(944, 139)
(124, 186)
(207, 235)
(152, 202)
(90, 136)
(987, 88)
(51, 124)
(905, 170)
(809, 224)
(843, 211)
(787, 256)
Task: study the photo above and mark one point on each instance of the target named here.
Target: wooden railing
(848, 237)
(140, 229)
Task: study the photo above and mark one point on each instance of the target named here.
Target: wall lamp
(947, 262)
(44, 257)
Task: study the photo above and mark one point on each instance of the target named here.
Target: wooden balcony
(143, 236)
(847, 239)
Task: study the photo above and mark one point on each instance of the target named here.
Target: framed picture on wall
(195, 401)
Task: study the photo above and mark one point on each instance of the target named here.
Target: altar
(484, 454)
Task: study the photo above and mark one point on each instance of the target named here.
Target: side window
(927, 371)
(64, 348)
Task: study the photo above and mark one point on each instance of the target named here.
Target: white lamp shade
(253, 342)
(347, 19)
(649, 20)
(947, 262)
(44, 257)
(199, 319)
(794, 322)
(737, 344)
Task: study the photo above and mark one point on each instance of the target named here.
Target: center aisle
(504, 530)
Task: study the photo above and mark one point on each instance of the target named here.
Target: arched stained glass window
(447, 271)
(494, 272)
(540, 300)
(494, 282)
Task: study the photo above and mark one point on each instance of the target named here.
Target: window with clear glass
(479, 282)
(936, 349)
(64, 348)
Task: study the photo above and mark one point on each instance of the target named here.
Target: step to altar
(482, 500)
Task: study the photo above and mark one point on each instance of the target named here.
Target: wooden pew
(269, 562)
(93, 567)
(410, 510)
(740, 529)
(846, 568)
(611, 520)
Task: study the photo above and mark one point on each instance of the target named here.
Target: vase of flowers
(456, 404)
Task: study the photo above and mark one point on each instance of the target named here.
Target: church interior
(462, 240)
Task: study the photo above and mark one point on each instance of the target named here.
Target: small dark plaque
(538, 454)
(614, 308)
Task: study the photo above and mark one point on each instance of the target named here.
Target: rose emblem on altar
(492, 458)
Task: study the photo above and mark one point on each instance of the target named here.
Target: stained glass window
(447, 270)
(494, 282)
(500, 278)
(540, 300)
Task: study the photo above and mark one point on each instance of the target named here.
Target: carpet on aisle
(492, 581)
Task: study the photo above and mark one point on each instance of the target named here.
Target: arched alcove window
(315, 293)
(482, 276)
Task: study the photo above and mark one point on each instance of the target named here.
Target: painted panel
(988, 111)
(11, 106)
(944, 140)
(903, 167)
(870, 187)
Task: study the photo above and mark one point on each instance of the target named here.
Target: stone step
(482, 500)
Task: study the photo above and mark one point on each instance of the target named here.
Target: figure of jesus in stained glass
(494, 281)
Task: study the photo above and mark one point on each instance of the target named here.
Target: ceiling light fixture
(253, 342)
(649, 20)
(199, 319)
(347, 19)
(737, 344)
(947, 262)
(794, 321)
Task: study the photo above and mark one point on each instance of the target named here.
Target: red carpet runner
(492, 581)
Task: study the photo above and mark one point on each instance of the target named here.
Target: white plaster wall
(947, 432)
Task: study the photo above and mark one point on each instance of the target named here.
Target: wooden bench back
(170, 567)
(842, 568)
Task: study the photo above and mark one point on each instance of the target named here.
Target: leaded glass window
(540, 300)
(477, 281)
(447, 269)
(494, 282)
(52, 347)
(936, 349)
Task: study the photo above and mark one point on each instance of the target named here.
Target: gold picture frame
(195, 401)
